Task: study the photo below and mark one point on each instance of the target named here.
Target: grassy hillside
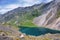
(24, 18)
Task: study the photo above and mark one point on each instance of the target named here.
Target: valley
(36, 22)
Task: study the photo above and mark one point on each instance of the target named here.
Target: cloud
(7, 5)
(46, 1)
(30, 2)
(3, 11)
(8, 8)
(12, 6)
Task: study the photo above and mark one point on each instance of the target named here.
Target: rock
(49, 19)
(5, 38)
(55, 24)
(2, 34)
(46, 19)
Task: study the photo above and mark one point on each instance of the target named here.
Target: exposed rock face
(5, 38)
(45, 18)
(57, 1)
(55, 24)
(49, 18)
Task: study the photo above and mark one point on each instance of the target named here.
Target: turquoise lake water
(37, 31)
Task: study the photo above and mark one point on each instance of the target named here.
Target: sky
(7, 5)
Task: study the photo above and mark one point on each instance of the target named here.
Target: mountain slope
(47, 15)
(24, 15)
(51, 18)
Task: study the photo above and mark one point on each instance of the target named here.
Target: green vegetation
(58, 13)
(27, 23)
(36, 13)
(22, 23)
(23, 19)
